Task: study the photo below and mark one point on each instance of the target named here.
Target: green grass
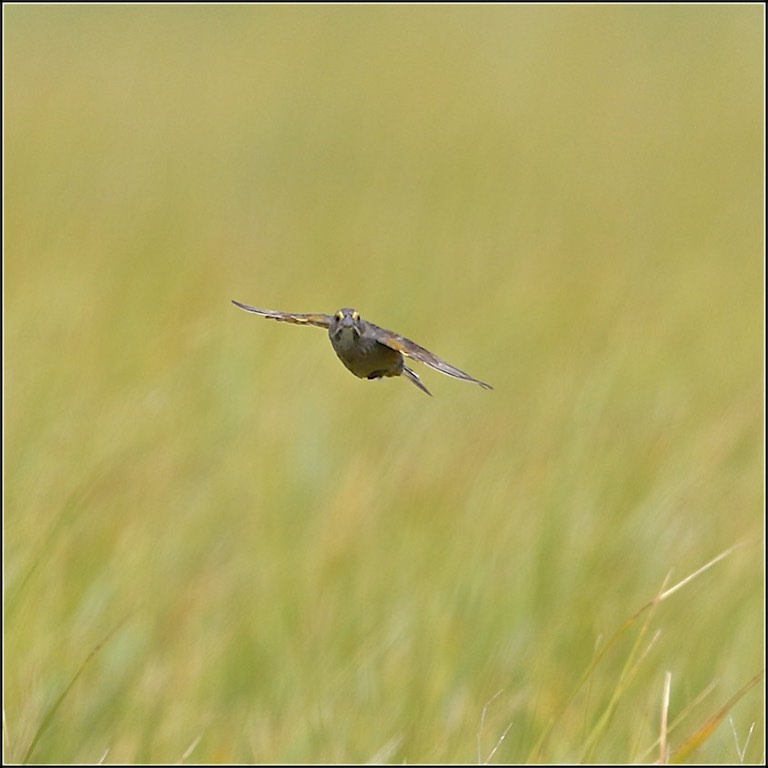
(222, 547)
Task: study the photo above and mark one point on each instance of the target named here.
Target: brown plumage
(368, 351)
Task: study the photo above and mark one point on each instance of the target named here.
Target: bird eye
(339, 315)
(355, 316)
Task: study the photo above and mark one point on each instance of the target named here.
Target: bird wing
(416, 352)
(322, 321)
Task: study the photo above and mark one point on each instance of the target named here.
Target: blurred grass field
(222, 547)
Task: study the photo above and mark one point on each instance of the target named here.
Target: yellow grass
(222, 547)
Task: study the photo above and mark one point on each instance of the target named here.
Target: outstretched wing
(413, 350)
(322, 321)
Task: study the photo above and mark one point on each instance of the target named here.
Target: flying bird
(365, 349)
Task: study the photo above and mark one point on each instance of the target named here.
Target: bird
(368, 351)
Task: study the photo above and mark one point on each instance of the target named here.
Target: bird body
(368, 351)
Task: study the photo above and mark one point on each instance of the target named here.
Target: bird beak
(349, 322)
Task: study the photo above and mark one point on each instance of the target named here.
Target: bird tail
(413, 376)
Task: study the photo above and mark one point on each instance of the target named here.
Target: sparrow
(368, 351)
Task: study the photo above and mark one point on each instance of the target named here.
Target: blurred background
(220, 546)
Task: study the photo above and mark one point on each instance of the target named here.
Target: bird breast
(345, 339)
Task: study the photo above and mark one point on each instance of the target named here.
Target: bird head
(346, 326)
